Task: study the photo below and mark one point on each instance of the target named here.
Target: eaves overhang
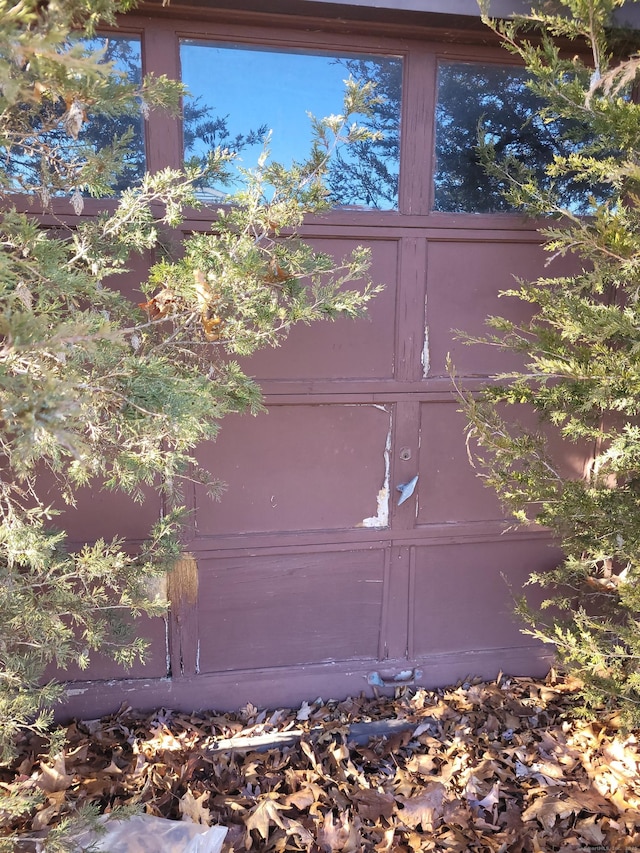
(464, 14)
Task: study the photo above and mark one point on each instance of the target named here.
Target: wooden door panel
(299, 468)
(464, 280)
(290, 609)
(154, 631)
(344, 349)
(100, 514)
(464, 594)
(449, 489)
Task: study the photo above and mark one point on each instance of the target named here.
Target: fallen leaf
(372, 805)
(425, 809)
(304, 712)
(492, 798)
(548, 808)
(423, 765)
(193, 808)
(43, 817)
(589, 832)
(260, 818)
(305, 797)
(54, 777)
(340, 835)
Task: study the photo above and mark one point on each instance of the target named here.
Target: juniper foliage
(581, 349)
(101, 391)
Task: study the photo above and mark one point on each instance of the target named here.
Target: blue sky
(254, 87)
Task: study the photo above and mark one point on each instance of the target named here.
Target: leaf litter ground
(500, 766)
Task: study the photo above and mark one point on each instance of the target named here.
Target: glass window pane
(240, 93)
(28, 171)
(126, 55)
(470, 94)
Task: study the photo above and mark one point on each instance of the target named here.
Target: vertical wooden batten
(182, 592)
(163, 132)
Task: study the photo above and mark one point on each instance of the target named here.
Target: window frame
(420, 52)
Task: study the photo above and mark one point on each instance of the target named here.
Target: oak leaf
(193, 808)
(340, 835)
(160, 305)
(261, 816)
(492, 798)
(424, 810)
(54, 778)
(589, 831)
(304, 712)
(74, 118)
(423, 765)
(294, 827)
(212, 326)
(305, 797)
(385, 845)
(372, 805)
(43, 818)
(548, 808)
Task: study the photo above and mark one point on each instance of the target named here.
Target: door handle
(406, 490)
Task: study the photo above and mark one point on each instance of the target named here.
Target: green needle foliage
(581, 349)
(96, 389)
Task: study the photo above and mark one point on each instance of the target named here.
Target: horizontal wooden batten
(288, 686)
(344, 225)
(436, 389)
(460, 19)
(271, 544)
(245, 544)
(365, 224)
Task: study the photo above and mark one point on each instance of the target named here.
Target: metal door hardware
(407, 676)
(406, 489)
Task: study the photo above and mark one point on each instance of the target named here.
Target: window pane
(239, 93)
(125, 53)
(497, 97)
(28, 171)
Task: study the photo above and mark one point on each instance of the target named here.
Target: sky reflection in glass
(240, 92)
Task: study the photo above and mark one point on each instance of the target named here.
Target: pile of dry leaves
(503, 766)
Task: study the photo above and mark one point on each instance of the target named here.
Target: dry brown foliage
(501, 766)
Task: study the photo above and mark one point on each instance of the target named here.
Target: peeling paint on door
(381, 519)
(424, 358)
(167, 645)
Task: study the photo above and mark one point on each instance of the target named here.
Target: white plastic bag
(148, 834)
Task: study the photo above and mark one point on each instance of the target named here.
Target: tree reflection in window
(367, 172)
(258, 88)
(497, 99)
(61, 157)
(124, 53)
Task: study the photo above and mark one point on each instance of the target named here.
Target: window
(61, 164)
(240, 93)
(495, 98)
(125, 53)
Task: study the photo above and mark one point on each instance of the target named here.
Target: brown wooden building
(312, 581)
